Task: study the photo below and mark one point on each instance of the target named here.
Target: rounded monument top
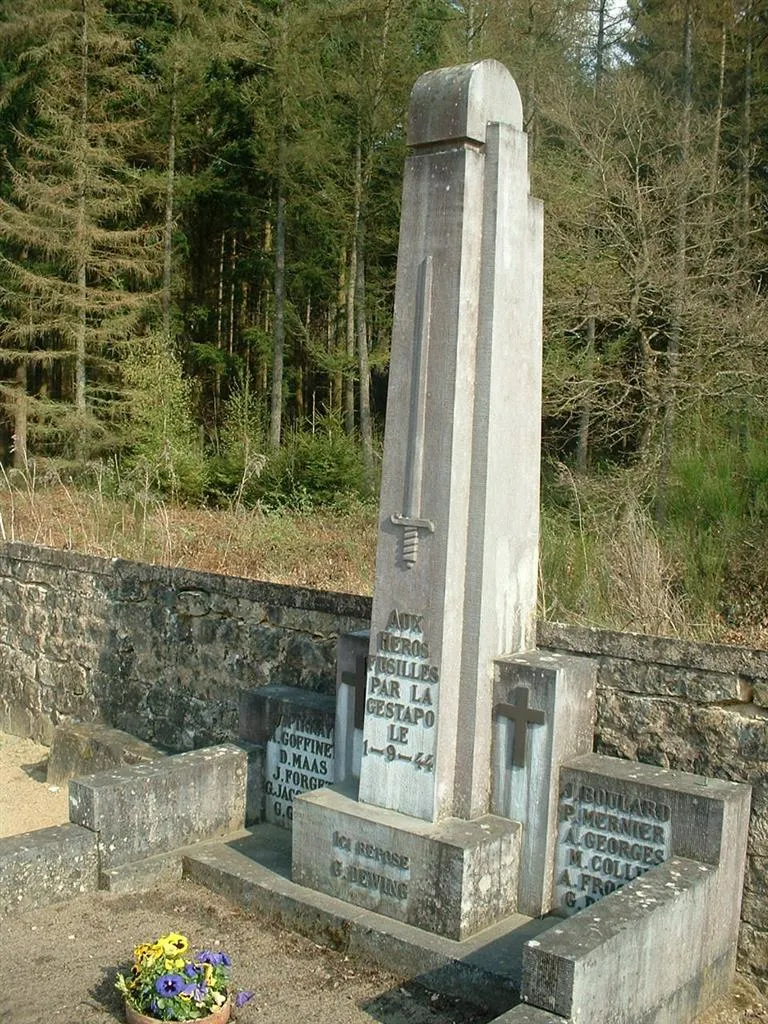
(459, 103)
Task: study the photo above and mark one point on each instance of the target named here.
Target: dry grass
(325, 551)
(617, 577)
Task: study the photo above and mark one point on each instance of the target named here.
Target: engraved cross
(358, 680)
(522, 716)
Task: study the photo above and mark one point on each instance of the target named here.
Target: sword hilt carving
(411, 527)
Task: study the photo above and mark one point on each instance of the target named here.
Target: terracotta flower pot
(220, 1016)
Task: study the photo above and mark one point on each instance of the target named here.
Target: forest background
(198, 236)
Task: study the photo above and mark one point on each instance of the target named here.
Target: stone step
(252, 868)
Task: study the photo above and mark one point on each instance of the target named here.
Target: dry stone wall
(166, 655)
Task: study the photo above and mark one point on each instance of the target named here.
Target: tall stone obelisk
(456, 564)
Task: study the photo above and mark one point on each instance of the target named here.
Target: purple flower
(169, 984)
(208, 956)
(190, 970)
(197, 992)
(224, 960)
(242, 998)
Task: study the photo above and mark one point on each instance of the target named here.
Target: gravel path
(65, 957)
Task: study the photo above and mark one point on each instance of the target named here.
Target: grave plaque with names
(299, 757)
(606, 838)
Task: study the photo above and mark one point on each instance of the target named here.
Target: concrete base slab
(523, 1014)
(142, 874)
(452, 877)
(253, 869)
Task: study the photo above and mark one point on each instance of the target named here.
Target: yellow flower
(174, 963)
(144, 952)
(173, 944)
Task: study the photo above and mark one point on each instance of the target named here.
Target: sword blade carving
(410, 519)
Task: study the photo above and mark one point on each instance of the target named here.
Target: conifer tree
(76, 262)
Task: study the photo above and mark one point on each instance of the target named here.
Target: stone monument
(409, 830)
(467, 802)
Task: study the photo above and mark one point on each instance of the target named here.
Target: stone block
(46, 866)
(453, 878)
(296, 731)
(700, 685)
(152, 808)
(632, 959)
(84, 748)
(559, 691)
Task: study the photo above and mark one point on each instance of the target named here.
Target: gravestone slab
(619, 819)
(83, 748)
(46, 866)
(146, 809)
(296, 729)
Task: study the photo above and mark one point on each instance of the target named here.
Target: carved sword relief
(410, 518)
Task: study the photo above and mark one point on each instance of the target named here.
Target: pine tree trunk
(20, 419)
(670, 385)
(746, 132)
(336, 342)
(169, 201)
(82, 281)
(585, 407)
(349, 380)
(232, 294)
(364, 372)
(276, 411)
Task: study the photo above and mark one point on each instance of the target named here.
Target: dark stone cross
(358, 680)
(522, 716)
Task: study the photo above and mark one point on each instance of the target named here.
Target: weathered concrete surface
(253, 869)
(529, 1015)
(453, 877)
(148, 809)
(46, 866)
(652, 953)
(562, 688)
(84, 748)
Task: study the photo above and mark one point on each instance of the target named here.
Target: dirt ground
(63, 959)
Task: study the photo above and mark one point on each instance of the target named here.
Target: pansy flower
(209, 956)
(169, 984)
(173, 944)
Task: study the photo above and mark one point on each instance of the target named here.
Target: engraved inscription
(368, 866)
(606, 839)
(299, 757)
(401, 695)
